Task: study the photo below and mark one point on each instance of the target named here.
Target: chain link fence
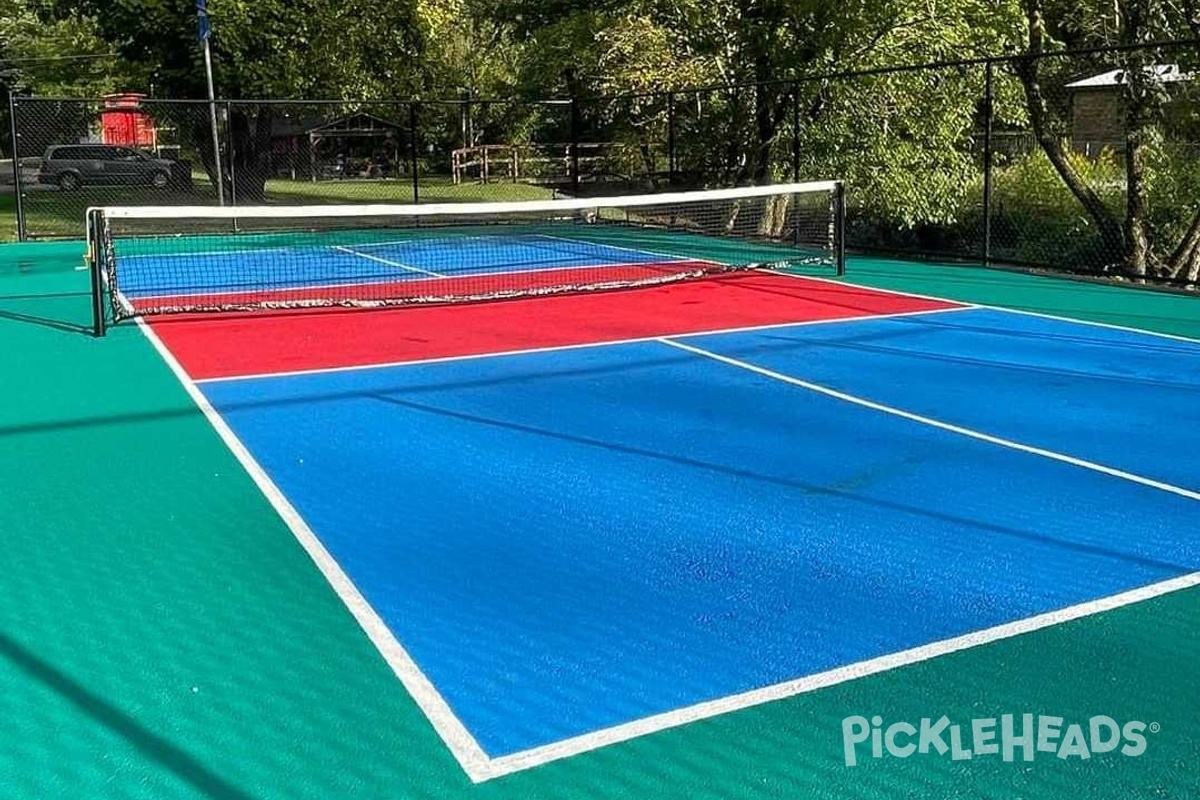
(1016, 160)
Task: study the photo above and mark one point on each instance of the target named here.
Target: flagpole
(202, 15)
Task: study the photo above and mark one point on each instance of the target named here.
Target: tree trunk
(202, 140)
(1109, 228)
(250, 156)
(1184, 263)
(735, 171)
(770, 106)
(647, 154)
(1141, 98)
(1137, 238)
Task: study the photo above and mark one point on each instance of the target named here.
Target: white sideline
(476, 764)
(458, 739)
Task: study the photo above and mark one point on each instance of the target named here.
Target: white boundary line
(458, 739)
(537, 756)
(582, 346)
(252, 251)
(479, 767)
(1025, 312)
(387, 261)
(934, 423)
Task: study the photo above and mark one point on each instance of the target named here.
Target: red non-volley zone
(216, 346)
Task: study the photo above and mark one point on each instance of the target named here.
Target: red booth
(123, 122)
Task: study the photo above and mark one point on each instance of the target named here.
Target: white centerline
(577, 242)
(934, 423)
(389, 262)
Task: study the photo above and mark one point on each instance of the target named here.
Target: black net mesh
(159, 261)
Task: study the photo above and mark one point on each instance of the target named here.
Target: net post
(232, 157)
(839, 226)
(988, 118)
(412, 151)
(96, 263)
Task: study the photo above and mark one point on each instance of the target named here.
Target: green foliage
(903, 141)
(1037, 219)
(66, 57)
(271, 48)
(1173, 186)
(908, 142)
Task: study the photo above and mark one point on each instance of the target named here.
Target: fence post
(575, 146)
(671, 162)
(232, 155)
(795, 131)
(412, 150)
(16, 155)
(988, 116)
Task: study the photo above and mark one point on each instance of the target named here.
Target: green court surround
(162, 635)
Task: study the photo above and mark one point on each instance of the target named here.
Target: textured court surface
(594, 535)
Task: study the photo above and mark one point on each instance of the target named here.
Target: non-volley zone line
(578, 346)
(215, 346)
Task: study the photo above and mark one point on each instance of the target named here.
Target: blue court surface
(149, 269)
(569, 541)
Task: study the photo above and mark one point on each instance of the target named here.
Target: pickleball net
(153, 260)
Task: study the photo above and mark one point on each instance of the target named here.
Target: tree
(1145, 98)
(261, 49)
(63, 59)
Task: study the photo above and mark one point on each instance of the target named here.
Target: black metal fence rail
(941, 160)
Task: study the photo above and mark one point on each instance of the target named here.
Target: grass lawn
(56, 214)
(399, 191)
(8, 217)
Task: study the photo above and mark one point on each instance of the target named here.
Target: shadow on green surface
(59, 311)
(169, 755)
